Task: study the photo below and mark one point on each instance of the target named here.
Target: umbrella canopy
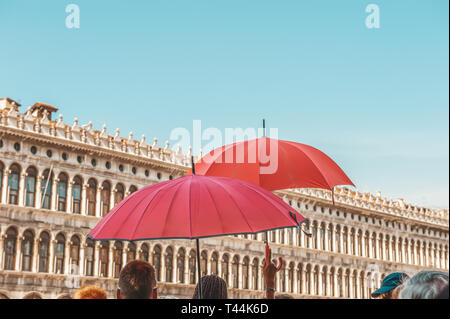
(195, 206)
(273, 164)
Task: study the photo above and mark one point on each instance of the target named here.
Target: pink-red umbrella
(196, 206)
(274, 164)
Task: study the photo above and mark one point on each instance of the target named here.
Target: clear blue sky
(375, 100)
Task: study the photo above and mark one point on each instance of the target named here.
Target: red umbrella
(194, 207)
(290, 165)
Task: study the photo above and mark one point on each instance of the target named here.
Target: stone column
(124, 256)
(18, 260)
(22, 192)
(111, 260)
(98, 203)
(81, 260)
(34, 265)
(67, 260)
(295, 281)
(286, 279)
(54, 194)
(2, 251)
(186, 267)
(111, 197)
(240, 275)
(38, 199)
(5, 187)
(163, 266)
(84, 200)
(96, 259)
(52, 256)
(69, 208)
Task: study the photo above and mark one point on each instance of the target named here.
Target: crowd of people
(137, 280)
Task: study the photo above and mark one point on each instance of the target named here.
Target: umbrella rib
(170, 205)
(226, 191)
(218, 214)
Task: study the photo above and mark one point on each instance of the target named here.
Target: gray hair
(424, 285)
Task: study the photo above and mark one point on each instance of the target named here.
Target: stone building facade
(57, 181)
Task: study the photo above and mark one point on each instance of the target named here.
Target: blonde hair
(90, 292)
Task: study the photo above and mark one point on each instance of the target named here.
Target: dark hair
(213, 287)
(137, 280)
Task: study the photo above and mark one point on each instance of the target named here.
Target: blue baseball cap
(390, 282)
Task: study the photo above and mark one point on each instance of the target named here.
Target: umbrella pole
(199, 270)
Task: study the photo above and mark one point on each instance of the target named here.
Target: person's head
(137, 280)
(90, 292)
(213, 287)
(389, 283)
(425, 285)
(283, 296)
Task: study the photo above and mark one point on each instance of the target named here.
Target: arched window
(362, 286)
(235, 271)
(300, 278)
(59, 253)
(169, 264)
(291, 276)
(331, 282)
(355, 284)
(27, 250)
(245, 272)
(322, 236)
(105, 197)
(337, 239)
(255, 277)
(13, 184)
(104, 259)
(132, 189)
(204, 263)
(308, 279)
(400, 250)
(180, 265)
(324, 281)
(156, 261)
(90, 257)
(144, 252)
(347, 283)
(119, 194)
(281, 232)
(360, 243)
(46, 189)
(393, 249)
(131, 252)
(192, 267)
(387, 248)
(91, 194)
(214, 263)
(30, 187)
(353, 242)
(380, 246)
(374, 245)
(282, 278)
(345, 240)
(330, 237)
(44, 245)
(314, 235)
(366, 244)
(10, 248)
(316, 280)
(76, 194)
(225, 262)
(74, 255)
(62, 192)
(117, 256)
(340, 282)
